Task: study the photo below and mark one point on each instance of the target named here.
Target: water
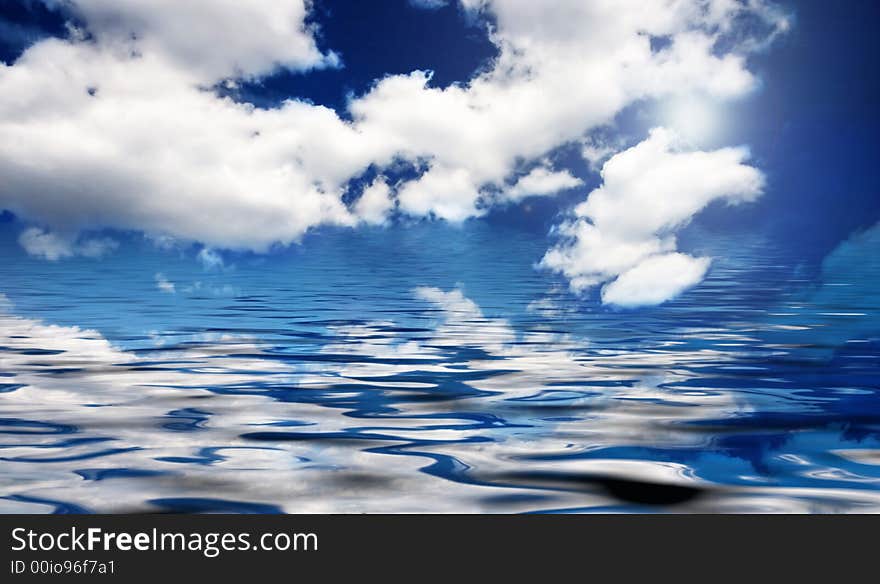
(433, 369)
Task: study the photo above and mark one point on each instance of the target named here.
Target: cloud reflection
(380, 416)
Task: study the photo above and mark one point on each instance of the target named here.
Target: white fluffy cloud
(211, 39)
(541, 181)
(121, 129)
(624, 233)
(92, 137)
(563, 70)
(655, 279)
(375, 203)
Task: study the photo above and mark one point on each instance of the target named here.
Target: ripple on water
(435, 406)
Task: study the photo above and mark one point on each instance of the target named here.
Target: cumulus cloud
(122, 131)
(595, 151)
(444, 192)
(541, 181)
(655, 279)
(375, 203)
(117, 126)
(624, 233)
(563, 70)
(211, 39)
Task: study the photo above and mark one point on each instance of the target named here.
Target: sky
(620, 141)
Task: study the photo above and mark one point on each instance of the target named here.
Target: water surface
(435, 370)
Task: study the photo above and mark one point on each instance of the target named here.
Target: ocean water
(434, 369)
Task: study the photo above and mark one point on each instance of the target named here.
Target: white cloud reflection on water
(356, 426)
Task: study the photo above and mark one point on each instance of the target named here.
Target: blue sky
(152, 154)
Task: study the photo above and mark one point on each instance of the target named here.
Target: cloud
(550, 305)
(455, 305)
(444, 192)
(541, 181)
(655, 279)
(462, 323)
(126, 134)
(50, 246)
(96, 247)
(595, 151)
(210, 259)
(209, 39)
(117, 126)
(42, 244)
(624, 233)
(563, 70)
(163, 284)
(375, 203)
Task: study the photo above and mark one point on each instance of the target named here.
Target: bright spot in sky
(697, 120)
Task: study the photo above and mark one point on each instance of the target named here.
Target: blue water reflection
(432, 369)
